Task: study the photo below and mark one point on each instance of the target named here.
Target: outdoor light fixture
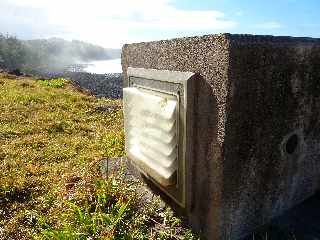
(156, 115)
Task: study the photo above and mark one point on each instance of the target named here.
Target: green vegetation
(48, 54)
(55, 83)
(52, 140)
(13, 53)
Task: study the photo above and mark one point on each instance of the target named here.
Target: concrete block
(256, 125)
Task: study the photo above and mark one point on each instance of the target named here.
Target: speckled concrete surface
(257, 128)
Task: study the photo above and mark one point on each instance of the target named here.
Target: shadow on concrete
(301, 222)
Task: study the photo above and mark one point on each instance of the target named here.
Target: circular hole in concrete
(292, 144)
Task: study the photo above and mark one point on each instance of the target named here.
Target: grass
(52, 140)
(54, 83)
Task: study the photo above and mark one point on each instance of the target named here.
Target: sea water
(105, 66)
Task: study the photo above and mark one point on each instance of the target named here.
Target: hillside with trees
(52, 54)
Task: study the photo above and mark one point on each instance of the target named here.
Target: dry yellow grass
(50, 136)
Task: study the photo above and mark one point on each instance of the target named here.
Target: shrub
(54, 83)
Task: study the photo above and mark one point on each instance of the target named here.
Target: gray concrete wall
(273, 97)
(256, 125)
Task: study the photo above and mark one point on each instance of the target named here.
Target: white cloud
(239, 13)
(269, 25)
(112, 23)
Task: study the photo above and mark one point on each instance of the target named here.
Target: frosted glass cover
(151, 132)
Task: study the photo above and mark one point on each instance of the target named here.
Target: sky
(114, 23)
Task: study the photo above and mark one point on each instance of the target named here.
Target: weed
(7, 135)
(26, 85)
(54, 83)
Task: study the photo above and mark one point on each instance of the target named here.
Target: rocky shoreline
(107, 85)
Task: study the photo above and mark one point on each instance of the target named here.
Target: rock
(16, 72)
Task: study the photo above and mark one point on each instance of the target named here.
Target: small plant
(107, 215)
(54, 83)
(114, 145)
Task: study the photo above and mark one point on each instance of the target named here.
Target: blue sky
(275, 17)
(113, 23)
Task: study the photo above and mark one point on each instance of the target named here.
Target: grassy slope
(52, 139)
